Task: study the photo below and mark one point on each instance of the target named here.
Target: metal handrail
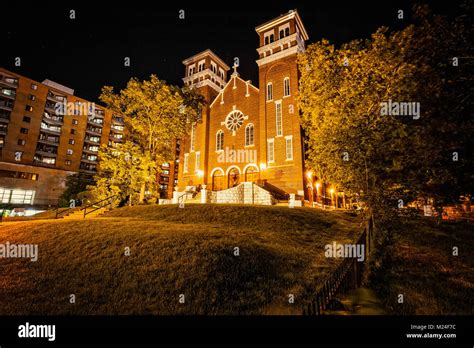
(95, 204)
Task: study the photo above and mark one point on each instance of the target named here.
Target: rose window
(234, 120)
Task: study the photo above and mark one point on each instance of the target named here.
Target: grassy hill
(173, 251)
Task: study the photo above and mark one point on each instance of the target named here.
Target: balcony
(56, 98)
(3, 129)
(51, 130)
(51, 107)
(8, 93)
(46, 153)
(49, 140)
(116, 130)
(52, 119)
(92, 140)
(94, 131)
(89, 151)
(117, 120)
(6, 105)
(8, 81)
(96, 122)
(89, 168)
(89, 159)
(4, 116)
(44, 161)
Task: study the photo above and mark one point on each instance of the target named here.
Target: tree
(391, 158)
(75, 185)
(155, 115)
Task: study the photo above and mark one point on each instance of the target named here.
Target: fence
(348, 275)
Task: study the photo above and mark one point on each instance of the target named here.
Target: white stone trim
(250, 165)
(279, 55)
(216, 169)
(223, 90)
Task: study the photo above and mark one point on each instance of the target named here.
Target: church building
(248, 133)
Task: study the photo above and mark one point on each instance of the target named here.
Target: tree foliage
(388, 159)
(155, 115)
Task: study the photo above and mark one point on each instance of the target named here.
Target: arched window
(286, 87)
(217, 180)
(233, 177)
(287, 31)
(269, 91)
(219, 140)
(249, 135)
(251, 174)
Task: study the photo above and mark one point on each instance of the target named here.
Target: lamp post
(318, 185)
(309, 175)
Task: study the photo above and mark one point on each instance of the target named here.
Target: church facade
(248, 133)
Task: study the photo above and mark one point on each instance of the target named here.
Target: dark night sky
(88, 52)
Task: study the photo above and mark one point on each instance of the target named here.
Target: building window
(269, 91)
(219, 140)
(74, 121)
(26, 119)
(71, 141)
(214, 67)
(28, 108)
(73, 131)
(67, 162)
(249, 135)
(193, 137)
(284, 30)
(201, 65)
(286, 87)
(191, 70)
(34, 87)
(198, 161)
(21, 142)
(24, 130)
(186, 162)
(16, 196)
(69, 152)
(279, 121)
(289, 148)
(271, 150)
(31, 97)
(269, 37)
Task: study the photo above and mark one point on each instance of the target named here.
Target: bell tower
(207, 73)
(281, 142)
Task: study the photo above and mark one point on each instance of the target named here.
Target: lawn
(420, 265)
(173, 251)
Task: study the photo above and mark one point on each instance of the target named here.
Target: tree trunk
(142, 193)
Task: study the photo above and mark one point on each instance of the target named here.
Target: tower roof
(281, 19)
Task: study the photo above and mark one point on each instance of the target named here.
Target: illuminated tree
(387, 160)
(155, 115)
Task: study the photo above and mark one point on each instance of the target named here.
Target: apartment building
(46, 134)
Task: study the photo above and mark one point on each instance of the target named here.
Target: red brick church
(248, 133)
